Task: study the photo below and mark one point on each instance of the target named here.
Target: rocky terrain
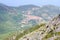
(49, 31)
(18, 19)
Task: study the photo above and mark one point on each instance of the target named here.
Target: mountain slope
(49, 31)
(14, 19)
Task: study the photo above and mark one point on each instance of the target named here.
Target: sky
(34, 2)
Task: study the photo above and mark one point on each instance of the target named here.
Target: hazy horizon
(32, 2)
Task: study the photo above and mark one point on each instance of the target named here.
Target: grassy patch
(50, 34)
(29, 31)
(6, 35)
(57, 33)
